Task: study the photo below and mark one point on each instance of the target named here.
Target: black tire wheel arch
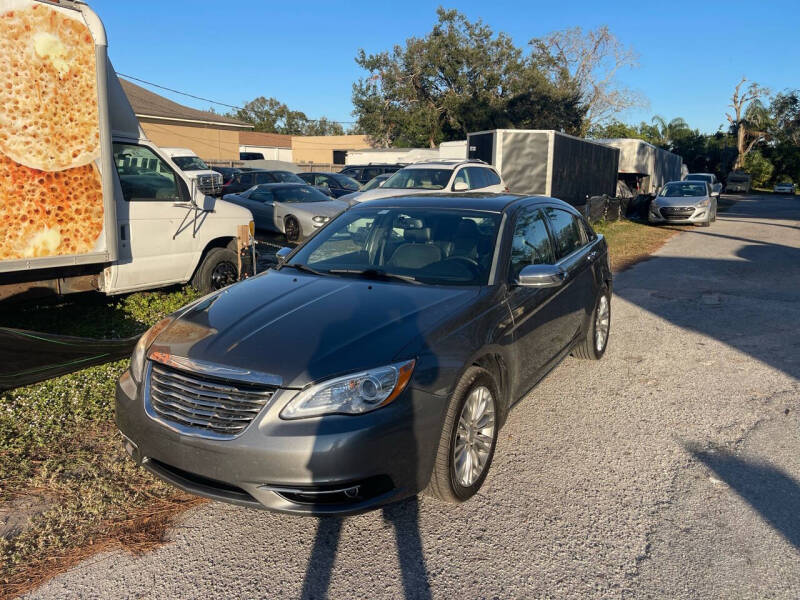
(218, 269)
(586, 348)
(443, 483)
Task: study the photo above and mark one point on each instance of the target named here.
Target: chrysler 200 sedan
(378, 360)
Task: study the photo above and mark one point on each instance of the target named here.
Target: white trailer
(127, 218)
(643, 167)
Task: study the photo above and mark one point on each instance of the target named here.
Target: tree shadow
(771, 492)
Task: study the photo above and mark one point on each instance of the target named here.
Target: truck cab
(194, 167)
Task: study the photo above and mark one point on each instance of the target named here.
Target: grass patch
(58, 443)
(630, 242)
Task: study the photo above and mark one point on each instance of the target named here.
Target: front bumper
(687, 215)
(328, 465)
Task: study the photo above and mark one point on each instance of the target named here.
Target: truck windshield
(419, 179)
(190, 163)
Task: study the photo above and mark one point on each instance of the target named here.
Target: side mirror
(460, 186)
(282, 254)
(541, 276)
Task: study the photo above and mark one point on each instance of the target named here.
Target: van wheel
(218, 269)
(292, 229)
(593, 346)
(468, 440)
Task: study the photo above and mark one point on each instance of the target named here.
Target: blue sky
(691, 54)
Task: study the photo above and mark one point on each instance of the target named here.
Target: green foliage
(460, 77)
(759, 167)
(272, 116)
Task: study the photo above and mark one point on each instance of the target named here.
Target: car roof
(468, 201)
(361, 166)
(283, 184)
(451, 163)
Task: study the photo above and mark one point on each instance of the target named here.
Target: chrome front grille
(677, 212)
(210, 184)
(208, 406)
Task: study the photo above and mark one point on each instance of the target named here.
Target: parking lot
(671, 468)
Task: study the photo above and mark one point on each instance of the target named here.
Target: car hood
(303, 328)
(381, 192)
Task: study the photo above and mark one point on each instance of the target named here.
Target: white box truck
(549, 163)
(86, 200)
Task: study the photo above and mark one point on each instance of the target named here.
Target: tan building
(325, 149)
(169, 124)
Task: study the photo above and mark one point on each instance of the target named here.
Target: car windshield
(679, 190)
(346, 182)
(419, 179)
(190, 163)
(415, 245)
(286, 177)
(697, 177)
(738, 178)
(785, 184)
(374, 182)
(300, 193)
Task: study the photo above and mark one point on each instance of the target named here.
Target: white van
(194, 167)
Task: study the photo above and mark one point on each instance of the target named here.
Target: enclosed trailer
(643, 167)
(547, 162)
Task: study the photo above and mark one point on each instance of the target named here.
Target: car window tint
(300, 193)
(462, 176)
(260, 195)
(354, 173)
(350, 240)
(371, 172)
(263, 178)
(246, 179)
(492, 178)
(566, 232)
(530, 244)
(307, 177)
(143, 175)
(477, 178)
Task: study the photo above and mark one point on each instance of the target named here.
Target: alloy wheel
(292, 229)
(474, 436)
(602, 324)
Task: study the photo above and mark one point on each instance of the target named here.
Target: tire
(291, 229)
(588, 347)
(218, 269)
(445, 483)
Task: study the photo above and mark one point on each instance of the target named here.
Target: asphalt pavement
(670, 469)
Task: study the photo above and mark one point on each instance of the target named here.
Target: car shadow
(771, 492)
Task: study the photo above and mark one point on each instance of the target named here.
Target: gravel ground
(670, 469)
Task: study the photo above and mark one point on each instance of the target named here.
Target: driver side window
(461, 176)
(143, 176)
(530, 244)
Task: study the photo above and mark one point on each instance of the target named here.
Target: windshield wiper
(302, 267)
(375, 274)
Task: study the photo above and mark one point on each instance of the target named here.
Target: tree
(460, 77)
(760, 168)
(668, 133)
(591, 62)
(272, 116)
(749, 118)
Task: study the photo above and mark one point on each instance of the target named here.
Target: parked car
(293, 209)
(787, 187)
(689, 201)
(738, 181)
(381, 358)
(373, 183)
(228, 175)
(197, 170)
(247, 178)
(251, 156)
(333, 184)
(710, 178)
(455, 175)
(363, 173)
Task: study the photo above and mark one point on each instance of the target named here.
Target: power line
(209, 100)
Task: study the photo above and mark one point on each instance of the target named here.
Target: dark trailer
(548, 163)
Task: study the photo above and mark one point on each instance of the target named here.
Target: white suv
(439, 175)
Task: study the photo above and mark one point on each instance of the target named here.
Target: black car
(363, 173)
(247, 178)
(333, 184)
(380, 359)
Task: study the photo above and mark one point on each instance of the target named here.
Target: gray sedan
(294, 209)
(684, 202)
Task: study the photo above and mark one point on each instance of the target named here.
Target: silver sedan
(294, 209)
(684, 202)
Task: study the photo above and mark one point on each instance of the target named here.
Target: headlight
(320, 219)
(137, 358)
(352, 394)
(705, 202)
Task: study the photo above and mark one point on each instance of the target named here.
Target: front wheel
(468, 439)
(291, 227)
(593, 346)
(218, 269)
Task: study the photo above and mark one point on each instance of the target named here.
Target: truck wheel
(292, 229)
(218, 269)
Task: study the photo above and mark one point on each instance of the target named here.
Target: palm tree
(670, 131)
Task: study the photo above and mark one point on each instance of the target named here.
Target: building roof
(267, 140)
(149, 104)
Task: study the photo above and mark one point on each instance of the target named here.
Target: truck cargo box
(56, 172)
(548, 163)
(650, 165)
